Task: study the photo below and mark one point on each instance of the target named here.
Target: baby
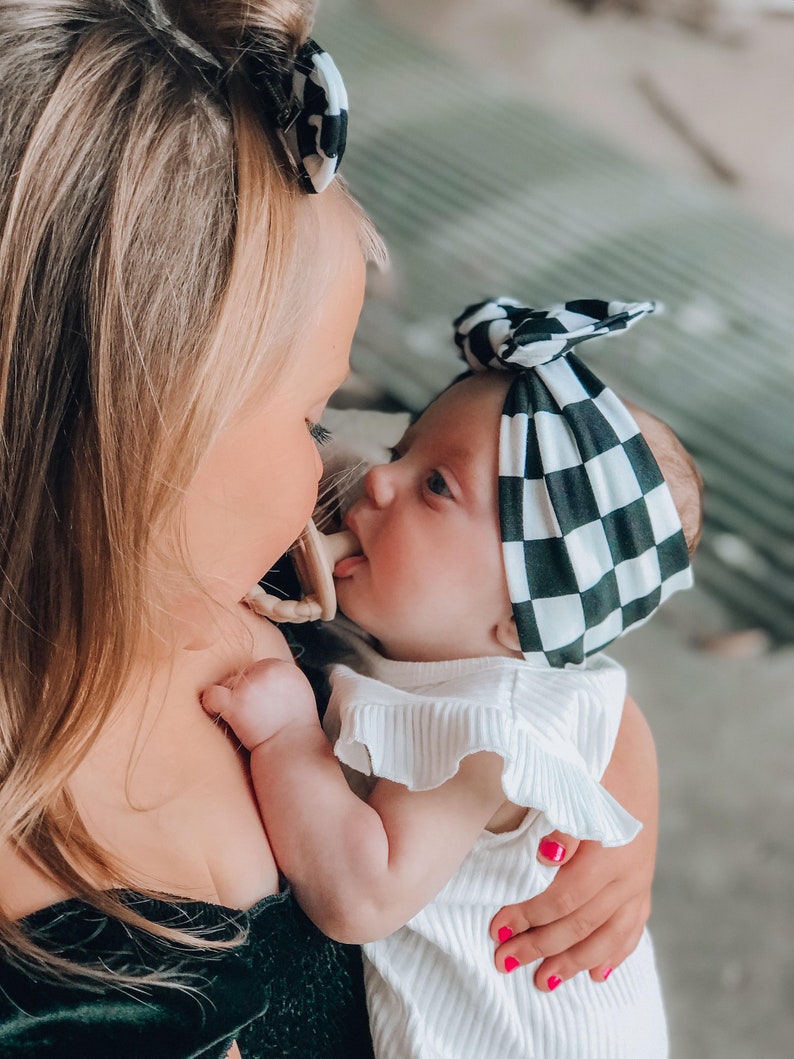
(526, 520)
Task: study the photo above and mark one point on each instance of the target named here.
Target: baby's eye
(436, 484)
(394, 454)
(320, 433)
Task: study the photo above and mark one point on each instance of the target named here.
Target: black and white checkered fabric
(316, 139)
(592, 541)
(503, 334)
(308, 105)
(305, 100)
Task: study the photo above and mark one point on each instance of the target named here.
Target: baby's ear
(507, 633)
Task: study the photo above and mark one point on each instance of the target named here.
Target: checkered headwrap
(591, 538)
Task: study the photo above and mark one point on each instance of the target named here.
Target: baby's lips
(348, 552)
(345, 567)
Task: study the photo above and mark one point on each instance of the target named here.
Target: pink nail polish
(552, 851)
(553, 982)
(511, 963)
(504, 933)
(607, 972)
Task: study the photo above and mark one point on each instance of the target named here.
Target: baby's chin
(349, 608)
(399, 641)
(347, 603)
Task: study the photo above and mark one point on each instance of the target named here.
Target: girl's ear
(507, 634)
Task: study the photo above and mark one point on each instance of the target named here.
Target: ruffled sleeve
(553, 729)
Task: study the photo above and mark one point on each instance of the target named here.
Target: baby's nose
(379, 484)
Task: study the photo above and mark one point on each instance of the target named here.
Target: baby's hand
(268, 696)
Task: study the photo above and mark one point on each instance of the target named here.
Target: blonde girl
(175, 310)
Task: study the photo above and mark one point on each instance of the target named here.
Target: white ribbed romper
(432, 987)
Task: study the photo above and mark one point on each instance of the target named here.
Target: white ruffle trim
(420, 741)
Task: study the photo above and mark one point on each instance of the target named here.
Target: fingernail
(511, 963)
(551, 850)
(607, 972)
(504, 933)
(553, 982)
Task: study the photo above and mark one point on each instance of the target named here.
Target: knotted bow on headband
(307, 103)
(591, 539)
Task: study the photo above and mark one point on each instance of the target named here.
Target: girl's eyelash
(320, 433)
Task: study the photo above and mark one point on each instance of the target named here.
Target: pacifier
(314, 556)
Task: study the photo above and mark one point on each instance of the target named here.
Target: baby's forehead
(459, 431)
(469, 405)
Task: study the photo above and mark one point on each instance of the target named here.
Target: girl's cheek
(298, 484)
(318, 464)
(305, 466)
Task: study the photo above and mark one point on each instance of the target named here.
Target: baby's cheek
(401, 576)
(417, 596)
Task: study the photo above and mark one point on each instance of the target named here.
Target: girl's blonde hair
(155, 255)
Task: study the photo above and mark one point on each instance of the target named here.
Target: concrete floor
(711, 109)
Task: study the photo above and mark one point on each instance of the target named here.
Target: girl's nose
(379, 484)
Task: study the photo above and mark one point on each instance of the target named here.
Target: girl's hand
(267, 697)
(593, 914)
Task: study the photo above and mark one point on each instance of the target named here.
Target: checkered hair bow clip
(591, 539)
(305, 98)
(308, 104)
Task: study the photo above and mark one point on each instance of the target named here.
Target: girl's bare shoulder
(268, 639)
(168, 793)
(23, 889)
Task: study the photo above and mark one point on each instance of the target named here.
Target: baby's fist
(265, 698)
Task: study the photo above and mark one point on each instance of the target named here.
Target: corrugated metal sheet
(478, 192)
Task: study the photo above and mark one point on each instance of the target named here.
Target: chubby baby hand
(268, 696)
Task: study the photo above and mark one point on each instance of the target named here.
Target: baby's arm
(358, 869)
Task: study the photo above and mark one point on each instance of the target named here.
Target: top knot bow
(502, 334)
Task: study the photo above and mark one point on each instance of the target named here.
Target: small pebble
(742, 643)
(732, 975)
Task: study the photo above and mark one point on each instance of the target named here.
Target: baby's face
(431, 583)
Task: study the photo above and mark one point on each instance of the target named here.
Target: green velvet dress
(285, 990)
